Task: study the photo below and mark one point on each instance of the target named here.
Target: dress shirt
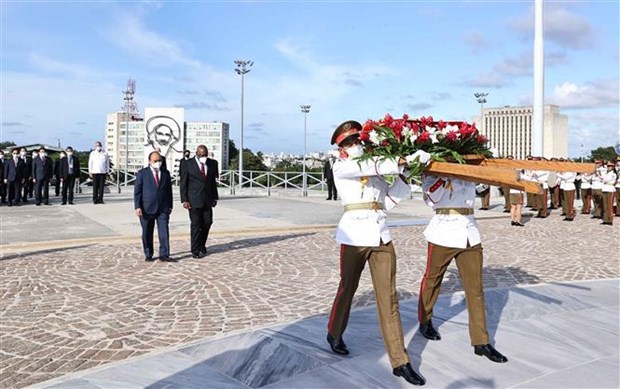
(98, 162)
(609, 180)
(568, 180)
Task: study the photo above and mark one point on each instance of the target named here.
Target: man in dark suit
(69, 172)
(57, 163)
(2, 184)
(152, 198)
(42, 171)
(332, 192)
(199, 196)
(14, 177)
(28, 185)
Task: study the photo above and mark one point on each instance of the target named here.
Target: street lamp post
(243, 67)
(305, 109)
(482, 98)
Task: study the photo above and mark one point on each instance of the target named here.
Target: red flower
(365, 136)
(441, 125)
(482, 139)
(369, 125)
(416, 128)
(388, 119)
(385, 142)
(405, 116)
(423, 137)
(451, 136)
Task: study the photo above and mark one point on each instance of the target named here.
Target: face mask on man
(1, 156)
(69, 153)
(22, 153)
(15, 155)
(354, 151)
(34, 155)
(186, 155)
(42, 155)
(98, 148)
(156, 165)
(202, 159)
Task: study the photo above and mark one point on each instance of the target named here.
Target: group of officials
(599, 192)
(23, 175)
(364, 237)
(153, 201)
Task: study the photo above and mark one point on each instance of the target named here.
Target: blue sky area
(64, 64)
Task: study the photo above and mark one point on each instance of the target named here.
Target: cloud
(352, 82)
(188, 92)
(592, 129)
(488, 80)
(593, 94)
(66, 69)
(216, 95)
(418, 106)
(562, 27)
(440, 96)
(476, 41)
(81, 123)
(202, 105)
(74, 133)
(12, 124)
(131, 34)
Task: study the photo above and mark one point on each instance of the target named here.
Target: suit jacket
(164, 166)
(42, 170)
(14, 172)
(152, 199)
(28, 167)
(64, 167)
(198, 191)
(327, 171)
(2, 161)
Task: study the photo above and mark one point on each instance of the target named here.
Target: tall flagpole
(539, 82)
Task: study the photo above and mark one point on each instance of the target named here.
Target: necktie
(156, 178)
(202, 169)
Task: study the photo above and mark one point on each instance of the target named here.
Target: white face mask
(98, 148)
(69, 153)
(62, 155)
(22, 153)
(355, 151)
(42, 155)
(203, 159)
(15, 156)
(156, 165)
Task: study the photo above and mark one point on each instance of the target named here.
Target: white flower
(434, 137)
(375, 137)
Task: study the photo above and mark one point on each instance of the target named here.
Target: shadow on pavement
(47, 251)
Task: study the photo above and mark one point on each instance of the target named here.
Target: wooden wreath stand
(503, 172)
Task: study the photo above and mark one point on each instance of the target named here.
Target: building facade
(509, 130)
(130, 139)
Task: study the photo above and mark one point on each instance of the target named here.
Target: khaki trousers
(586, 197)
(469, 264)
(597, 200)
(541, 204)
(608, 207)
(485, 199)
(506, 191)
(555, 196)
(617, 201)
(382, 263)
(568, 202)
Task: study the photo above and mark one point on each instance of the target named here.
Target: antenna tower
(130, 106)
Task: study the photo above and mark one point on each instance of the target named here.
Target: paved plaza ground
(77, 293)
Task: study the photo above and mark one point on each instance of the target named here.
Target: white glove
(422, 156)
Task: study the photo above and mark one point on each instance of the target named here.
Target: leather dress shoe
(167, 259)
(149, 259)
(203, 252)
(197, 256)
(337, 345)
(407, 372)
(490, 352)
(429, 332)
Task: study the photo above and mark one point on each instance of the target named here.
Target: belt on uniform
(364, 206)
(454, 211)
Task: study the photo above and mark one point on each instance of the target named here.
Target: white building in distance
(166, 129)
(509, 130)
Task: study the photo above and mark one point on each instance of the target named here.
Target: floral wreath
(445, 141)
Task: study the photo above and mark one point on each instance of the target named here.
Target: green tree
(604, 153)
(233, 151)
(6, 144)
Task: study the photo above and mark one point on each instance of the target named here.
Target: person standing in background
(332, 192)
(57, 164)
(42, 173)
(28, 185)
(2, 184)
(597, 189)
(98, 168)
(586, 193)
(15, 177)
(69, 172)
(608, 191)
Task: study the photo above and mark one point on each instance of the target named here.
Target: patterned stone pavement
(68, 309)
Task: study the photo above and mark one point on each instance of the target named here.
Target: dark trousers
(382, 263)
(68, 186)
(3, 191)
(469, 265)
(597, 201)
(42, 192)
(98, 184)
(57, 186)
(14, 189)
(148, 227)
(200, 224)
(27, 188)
(332, 192)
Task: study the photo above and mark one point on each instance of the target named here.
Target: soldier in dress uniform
(609, 189)
(454, 234)
(568, 194)
(542, 177)
(364, 237)
(586, 192)
(618, 187)
(597, 189)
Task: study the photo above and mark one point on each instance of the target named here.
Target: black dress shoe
(196, 256)
(329, 198)
(428, 331)
(518, 224)
(607, 223)
(203, 252)
(167, 259)
(70, 202)
(337, 345)
(407, 372)
(513, 223)
(149, 259)
(63, 203)
(490, 352)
